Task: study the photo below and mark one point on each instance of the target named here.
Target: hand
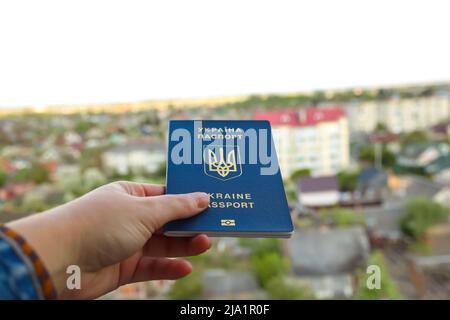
(113, 234)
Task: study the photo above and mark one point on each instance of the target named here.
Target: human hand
(113, 234)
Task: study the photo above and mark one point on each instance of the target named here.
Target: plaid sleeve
(22, 274)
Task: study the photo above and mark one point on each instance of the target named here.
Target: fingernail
(202, 199)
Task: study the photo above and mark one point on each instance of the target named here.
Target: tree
(381, 127)
(3, 178)
(340, 217)
(36, 173)
(305, 172)
(39, 174)
(347, 180)
(189, 287)
(82, 126)
(367, 154)
(268, 266)
(266, 260)
(414, 137)
(422, 213)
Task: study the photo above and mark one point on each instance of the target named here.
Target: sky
(76, 52)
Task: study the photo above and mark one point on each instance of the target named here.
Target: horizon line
(209, 101)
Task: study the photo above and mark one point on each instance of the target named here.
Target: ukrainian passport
(235, 162)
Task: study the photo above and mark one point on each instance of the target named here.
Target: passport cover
(235, 162)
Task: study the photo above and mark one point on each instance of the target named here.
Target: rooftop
(414, 150)
(301, 117)
(317, 184)
(334, 251)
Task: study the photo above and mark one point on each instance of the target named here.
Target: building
(362, 116)
(138, 156)
(406, 115)
(318, 192)
(431, 271)
(404, 188)
(398, 115)
(424, 158)
(441, 130)
(311, 138)
(370, 187)
(326, 260)
(383, 222)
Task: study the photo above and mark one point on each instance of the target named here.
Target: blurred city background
(366, 171)
(365, 160)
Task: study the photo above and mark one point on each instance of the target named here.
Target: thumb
(170, 207)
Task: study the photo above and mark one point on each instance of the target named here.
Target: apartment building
(312, 138)
(399, 115)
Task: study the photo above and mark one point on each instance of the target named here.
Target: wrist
(50, 235)
(21, 254)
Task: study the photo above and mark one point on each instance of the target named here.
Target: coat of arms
(222, 162)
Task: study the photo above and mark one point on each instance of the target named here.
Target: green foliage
(37, 174)
(261, 246)
(116, 176)
(422, 213)
(367, 154)
(267, 260)
(291, 195)
(92, 157)
(22, 175)
(291, 191)
(414, 137)
(388, 289)
(340, 217)
(381, 127)
(82, 126)
(189, 287)
(3, 178)
(268, 266)
(347, 180)
(40, 174)
(278, 289)
(420, 247)
(300, 173)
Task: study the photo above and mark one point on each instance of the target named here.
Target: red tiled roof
(301, 117)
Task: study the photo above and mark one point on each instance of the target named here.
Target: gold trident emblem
(222, 167)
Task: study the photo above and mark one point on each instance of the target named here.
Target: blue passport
(235, 162)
